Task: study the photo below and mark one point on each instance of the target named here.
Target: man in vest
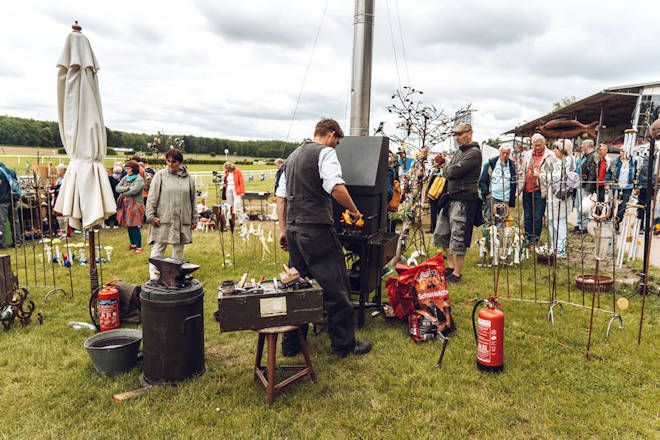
(312, 179)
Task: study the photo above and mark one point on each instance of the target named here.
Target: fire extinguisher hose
(94, 307)
(474, 325)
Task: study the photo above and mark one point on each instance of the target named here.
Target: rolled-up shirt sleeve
(329, 169)
(280, 191)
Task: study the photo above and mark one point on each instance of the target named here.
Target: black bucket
(114, 351)
(173, 332)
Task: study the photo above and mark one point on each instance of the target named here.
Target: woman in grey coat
(171, 209)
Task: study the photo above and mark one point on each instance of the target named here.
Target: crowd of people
(550, 179)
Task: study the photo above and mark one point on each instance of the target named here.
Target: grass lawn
(547, 390)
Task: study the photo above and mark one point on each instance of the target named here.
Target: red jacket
(239, 186)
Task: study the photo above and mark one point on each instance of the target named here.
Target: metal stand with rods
(647, 229)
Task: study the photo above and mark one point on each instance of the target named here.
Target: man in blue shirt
(497, 182)
(622, 174)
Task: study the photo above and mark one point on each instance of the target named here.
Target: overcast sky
(234, 69)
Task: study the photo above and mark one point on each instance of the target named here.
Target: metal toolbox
(269, 306)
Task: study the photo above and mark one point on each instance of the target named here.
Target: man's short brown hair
(326, 125)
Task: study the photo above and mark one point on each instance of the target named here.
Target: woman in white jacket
(559, 199)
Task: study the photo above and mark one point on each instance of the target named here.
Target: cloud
(482, 24)
(263, 22)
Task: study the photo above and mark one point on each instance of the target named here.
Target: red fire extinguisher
(108, 308)
(489, 335)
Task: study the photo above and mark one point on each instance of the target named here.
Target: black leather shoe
(361, 347)
(453, 279)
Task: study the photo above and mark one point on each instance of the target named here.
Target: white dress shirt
(329, 171)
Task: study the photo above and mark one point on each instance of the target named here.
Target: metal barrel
(173, 332)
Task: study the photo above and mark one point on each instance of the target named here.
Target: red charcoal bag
(422, 287)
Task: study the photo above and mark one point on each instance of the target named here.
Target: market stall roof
(618, 104)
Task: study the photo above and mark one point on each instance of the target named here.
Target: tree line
(34, 133)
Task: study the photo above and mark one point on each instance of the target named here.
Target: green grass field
(16, 157)
(9, 156)
(547, 390)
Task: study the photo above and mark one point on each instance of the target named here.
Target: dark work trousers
(317, 253)
(434, 208)
(624, 195)
(533, 228)
(641, 197)
(640, 212)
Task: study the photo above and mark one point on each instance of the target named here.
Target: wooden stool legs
(308, 361)
(272, 388)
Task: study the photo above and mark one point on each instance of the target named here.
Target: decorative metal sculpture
(15, 306)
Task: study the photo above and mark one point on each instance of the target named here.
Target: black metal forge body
(172, 323)
(368, 248)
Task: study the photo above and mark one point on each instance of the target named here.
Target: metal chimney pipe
(363, 42)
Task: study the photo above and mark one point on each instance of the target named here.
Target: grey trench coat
(172, 199)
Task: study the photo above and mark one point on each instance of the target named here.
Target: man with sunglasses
(460, 207)
(312, 178)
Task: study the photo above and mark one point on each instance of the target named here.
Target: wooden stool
(270, 334)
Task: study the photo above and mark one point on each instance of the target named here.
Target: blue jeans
(533, 221)
(624, 195)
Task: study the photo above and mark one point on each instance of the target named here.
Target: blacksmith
(460, 207)
(313, 177)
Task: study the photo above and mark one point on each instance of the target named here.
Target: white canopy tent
(85, 196)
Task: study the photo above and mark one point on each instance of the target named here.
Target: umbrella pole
(100, 247)
(93, 274)
(66, 240)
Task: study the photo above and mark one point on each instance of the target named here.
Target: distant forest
(33, 133)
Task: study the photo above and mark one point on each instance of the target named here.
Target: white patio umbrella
(85, 196)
